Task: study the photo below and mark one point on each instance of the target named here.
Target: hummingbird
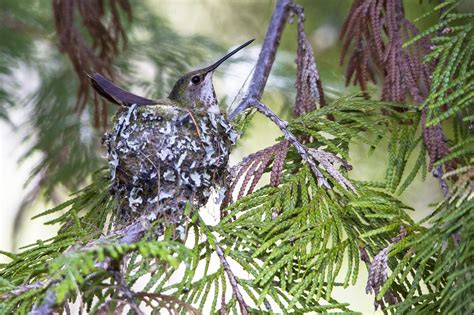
(165, 154)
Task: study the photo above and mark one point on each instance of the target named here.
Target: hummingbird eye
(196, 79)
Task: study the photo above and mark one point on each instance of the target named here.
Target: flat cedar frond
(438, 261)
(440, 258)
(376, 29)
(306, 236)
(96, 54)
(293, 241)
(290, 216)
(86, 250)
(68, 273)
(452, 90)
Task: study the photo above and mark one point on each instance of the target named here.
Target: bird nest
(162, 158)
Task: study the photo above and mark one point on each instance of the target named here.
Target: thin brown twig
(283, 125)
(233, 281)
(259, 78)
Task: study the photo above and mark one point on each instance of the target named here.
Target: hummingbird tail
(115, 94)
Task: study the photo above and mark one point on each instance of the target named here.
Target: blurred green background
(166, 38)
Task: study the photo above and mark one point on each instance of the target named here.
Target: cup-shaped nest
(163, 157)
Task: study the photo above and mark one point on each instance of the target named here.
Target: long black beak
(220, 61)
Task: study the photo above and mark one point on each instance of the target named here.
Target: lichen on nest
(163, 157)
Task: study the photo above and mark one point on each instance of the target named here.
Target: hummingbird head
(195, 89)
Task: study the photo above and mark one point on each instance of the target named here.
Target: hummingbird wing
(115, 94)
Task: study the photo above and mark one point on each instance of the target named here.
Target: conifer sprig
(284, 247)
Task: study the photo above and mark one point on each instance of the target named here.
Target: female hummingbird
(166, 153)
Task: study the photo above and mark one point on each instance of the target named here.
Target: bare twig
(267, 54)
(266, 57)
(283, 125)
(260, 76)
(309, 96)
(233, 281)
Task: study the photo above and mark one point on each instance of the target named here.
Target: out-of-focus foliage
(69, 144)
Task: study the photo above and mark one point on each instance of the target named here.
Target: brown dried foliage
(436, 144)
(376, 29)
(253, 167)
(309, 94)
(309, 90)
(328, 161)
(378, 272)
(107, 35)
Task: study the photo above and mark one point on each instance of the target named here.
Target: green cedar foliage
(441, 259)
(53, 128)
(307, 240)
(295, 242)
